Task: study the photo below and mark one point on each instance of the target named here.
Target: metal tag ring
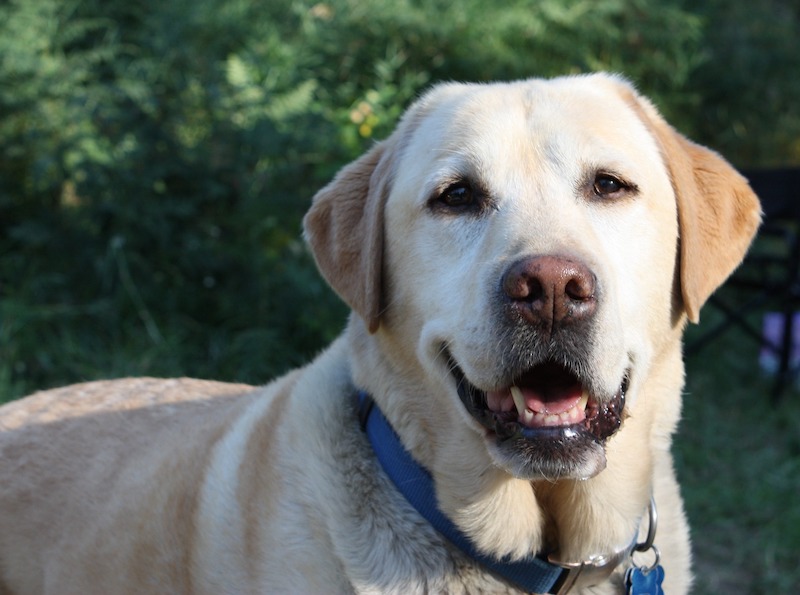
(648, 569)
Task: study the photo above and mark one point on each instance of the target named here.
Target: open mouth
(548, 417)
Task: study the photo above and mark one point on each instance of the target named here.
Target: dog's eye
(458, 196)
(462, 197)
(607, 186)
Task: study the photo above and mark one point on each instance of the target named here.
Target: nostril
(522, 285)
(536, 291)
(580, 287)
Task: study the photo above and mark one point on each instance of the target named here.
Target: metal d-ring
(652, 513)
(647, 544)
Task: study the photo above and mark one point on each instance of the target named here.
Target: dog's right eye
(461, 197)
(457, 196)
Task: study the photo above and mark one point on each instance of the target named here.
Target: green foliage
(156, 158)
(750, 102)
(151, 195)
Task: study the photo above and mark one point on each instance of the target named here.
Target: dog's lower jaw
(572, 455)
(550, 452)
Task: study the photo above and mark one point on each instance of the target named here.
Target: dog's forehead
(571, 123)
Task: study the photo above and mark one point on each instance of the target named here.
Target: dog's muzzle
(547, 420)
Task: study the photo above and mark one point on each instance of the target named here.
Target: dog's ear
(718, 215)
(344, 229)
(718, 212)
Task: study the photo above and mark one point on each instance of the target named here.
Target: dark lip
(603, 417)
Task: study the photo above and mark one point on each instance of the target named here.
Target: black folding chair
(769, 279)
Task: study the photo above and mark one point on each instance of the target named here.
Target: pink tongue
(553, 400)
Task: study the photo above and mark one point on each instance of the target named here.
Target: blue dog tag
(645, 581)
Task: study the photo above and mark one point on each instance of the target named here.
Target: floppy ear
(718, 212)
(344, 229)
(718, 215)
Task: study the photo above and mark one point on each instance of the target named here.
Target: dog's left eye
(606, 185)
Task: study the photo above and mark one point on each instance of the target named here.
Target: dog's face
(527, 255)
(532, 248)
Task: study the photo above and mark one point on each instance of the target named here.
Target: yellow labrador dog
(521, 259)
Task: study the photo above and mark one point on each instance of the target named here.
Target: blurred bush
(156, 158)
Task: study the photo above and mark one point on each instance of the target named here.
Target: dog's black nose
(551, 290)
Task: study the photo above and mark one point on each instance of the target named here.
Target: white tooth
(519, 400)
(526, 417)
(584, 400)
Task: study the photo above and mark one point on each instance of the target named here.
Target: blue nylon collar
(533, 575)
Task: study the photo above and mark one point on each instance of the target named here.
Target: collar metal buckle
(588, 572)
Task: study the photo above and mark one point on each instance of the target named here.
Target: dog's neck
(536, 574)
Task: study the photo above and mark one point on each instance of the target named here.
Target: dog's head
(533, 247)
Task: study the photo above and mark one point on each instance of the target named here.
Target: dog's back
(81, 464)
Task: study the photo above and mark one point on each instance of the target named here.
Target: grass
(738, 459)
